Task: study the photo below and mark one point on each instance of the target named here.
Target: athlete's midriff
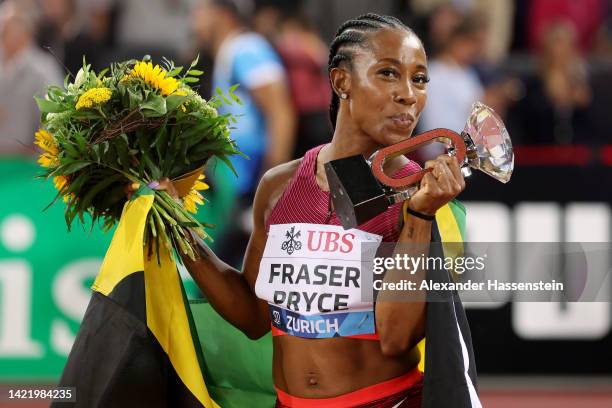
(328, 367)
(322, 368)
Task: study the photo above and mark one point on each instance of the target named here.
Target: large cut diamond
(493, 154)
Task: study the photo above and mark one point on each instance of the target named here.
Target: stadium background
(527, 354)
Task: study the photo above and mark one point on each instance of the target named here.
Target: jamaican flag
(448, 363)
(137, 345)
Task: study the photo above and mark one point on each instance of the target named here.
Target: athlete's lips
(402, 120)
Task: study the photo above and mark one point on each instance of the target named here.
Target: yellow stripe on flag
(125, 254)
(448, 228)
(165, 306)
(167, 319)
(452, 244)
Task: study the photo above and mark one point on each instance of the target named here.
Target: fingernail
(153, 184)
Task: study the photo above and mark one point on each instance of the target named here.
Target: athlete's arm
(231, 292)
(401, 323)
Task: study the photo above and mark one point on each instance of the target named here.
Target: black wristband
(420, 215)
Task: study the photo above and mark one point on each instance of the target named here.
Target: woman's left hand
(439, 186)
(164, 184)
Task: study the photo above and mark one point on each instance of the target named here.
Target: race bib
(310, 274)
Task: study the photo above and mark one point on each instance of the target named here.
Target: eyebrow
(398, 62)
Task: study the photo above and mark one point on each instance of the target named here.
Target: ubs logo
(276, 316)
(292, 244)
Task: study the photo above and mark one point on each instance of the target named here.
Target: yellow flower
(47, 160)
(155, 76)
(94, 97)
(46, 142)
(181, 92)
(194, 198)
(60, 183)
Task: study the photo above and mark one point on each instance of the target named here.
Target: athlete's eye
(421, 79)
(389, 73)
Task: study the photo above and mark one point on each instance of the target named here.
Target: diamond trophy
(361, 190)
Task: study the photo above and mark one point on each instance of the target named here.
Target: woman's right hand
(439, 186)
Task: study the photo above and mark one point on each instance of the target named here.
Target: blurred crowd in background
(544, 65)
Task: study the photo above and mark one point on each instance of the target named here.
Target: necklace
(329, 200)
(329, 209)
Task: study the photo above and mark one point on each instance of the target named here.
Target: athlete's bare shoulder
(281, 174)
(271, 187)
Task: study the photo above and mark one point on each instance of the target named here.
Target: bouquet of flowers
(133, 124)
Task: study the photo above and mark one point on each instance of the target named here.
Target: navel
(312, 379)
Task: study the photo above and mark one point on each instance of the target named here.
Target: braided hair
(351, 34)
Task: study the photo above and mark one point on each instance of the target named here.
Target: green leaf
(71, 168)
(87, 115)
(95, 150)
(84, 203)
(191, 80)
(46, 106)
(81, 142)
(161, 143)
(195, 72)
(69, 215)
(176, 71)
(71, 150)
(174, 101)
(122, 149)
(110, 156)
(135, 99)
(235, 98)
(55, 93)
(199, 129)
(155, 172)
(194, 62)
(155, 104)
(77, 183)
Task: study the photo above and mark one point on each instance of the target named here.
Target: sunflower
(60, 183)
(94, 97)
(46, 142)
(154, 76)
(194, 198)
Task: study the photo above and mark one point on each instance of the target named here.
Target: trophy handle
(409, 145)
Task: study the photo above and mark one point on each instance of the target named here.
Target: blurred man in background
(454, 83)
(25, 71)
(304, 56)
(266, 122)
